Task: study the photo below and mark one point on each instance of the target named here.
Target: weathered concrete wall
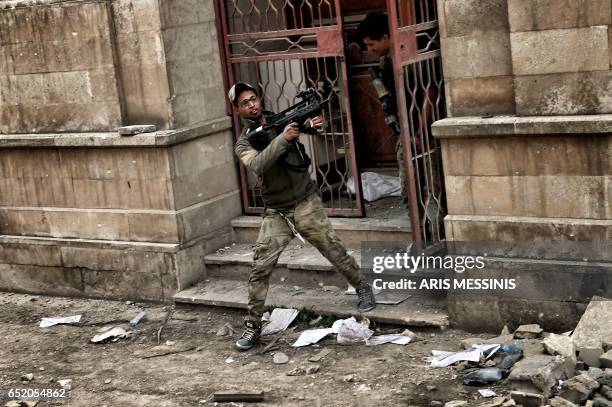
(94, 65)
(141, 58)
(476, 56)
(57, 68)
(192, 60)
(120, 221)
(529, 57)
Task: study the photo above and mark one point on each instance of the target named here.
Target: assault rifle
(309, 107)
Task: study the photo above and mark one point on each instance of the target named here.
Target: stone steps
(352, 231)
(303, 278)
(225, 292)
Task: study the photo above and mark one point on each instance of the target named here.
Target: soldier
(374, 32)
(292, 206)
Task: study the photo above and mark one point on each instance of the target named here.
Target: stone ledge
(163, 138)
(507, 126)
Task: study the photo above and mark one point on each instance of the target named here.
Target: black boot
(250, 336)
(367, 301)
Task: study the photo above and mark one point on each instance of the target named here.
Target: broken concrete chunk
(599, 401)
(528, 399)
(320, 355)
(456, 403)
(27, 377)
(594, 324)
(533, 347)
(606, 378)
(560, 345)
(537, 373)
(578, 388)
(505, 331)
(590, 353)
(606, 359)
(561, 402)
(606, 391)
(136, 129)
(531, 331)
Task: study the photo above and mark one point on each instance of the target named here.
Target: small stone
(136, 129)
(595, 372)
(531, 331)
(349, 378)
(27, 377)
(456, 403)
(65, 383)
(606, 359)
(280, 358)
(578, 388)
(599, 401)
(407, 332)
(606, 391)
(431, 388)
(298, 371)
(590, 353)
(107, 381)
(560, 402)
(129, 303)
(312, 369)
(331, 288)
(170, 343)
(527, 399)
(495, 402)
(42, 369)
(436, 403)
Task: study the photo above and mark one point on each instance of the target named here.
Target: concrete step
(301, 266)
(352, 231)
(227, 292)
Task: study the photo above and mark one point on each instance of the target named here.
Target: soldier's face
(380, 47)
(249, 105)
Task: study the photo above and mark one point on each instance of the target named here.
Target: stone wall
(526, 57)
(83, 210)
(57, 68)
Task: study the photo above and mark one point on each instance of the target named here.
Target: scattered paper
(114, 334)
(350, 331)
(473, 354)
(47, 322)
(487, 393)
(280, 319)
(396, 339)
(311, 336)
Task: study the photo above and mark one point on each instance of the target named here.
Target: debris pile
(543, 369)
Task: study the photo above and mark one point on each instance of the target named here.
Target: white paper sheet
(311, 336)
(280, 319)
(473, 354)
(47, 322)
(396, 339)
(487, 393)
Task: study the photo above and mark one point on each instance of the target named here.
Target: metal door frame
(419, 165)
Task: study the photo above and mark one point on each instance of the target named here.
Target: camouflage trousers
(310, 220)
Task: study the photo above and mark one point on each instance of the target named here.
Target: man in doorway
(292, 207)
(374, 32)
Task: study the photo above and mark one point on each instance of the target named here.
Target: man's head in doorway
(374, 32)
(245, 99)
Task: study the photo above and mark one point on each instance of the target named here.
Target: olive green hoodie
(281, 187)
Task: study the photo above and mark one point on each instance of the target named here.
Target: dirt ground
(133, 371)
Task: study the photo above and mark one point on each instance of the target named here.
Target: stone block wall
(526, 57)
(476, 57)
(57, 68)
(84, 211)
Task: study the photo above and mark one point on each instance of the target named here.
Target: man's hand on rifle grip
(291, 131)
(317, 123)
